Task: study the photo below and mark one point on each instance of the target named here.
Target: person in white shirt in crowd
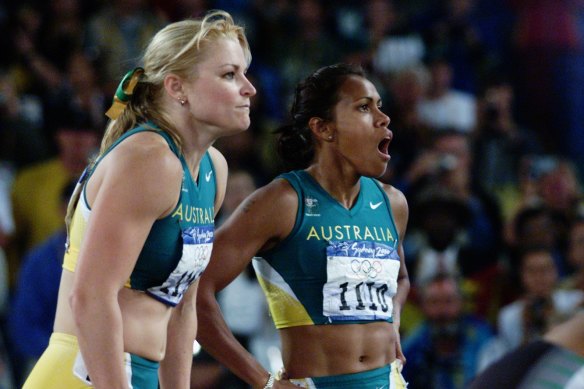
(444, 107)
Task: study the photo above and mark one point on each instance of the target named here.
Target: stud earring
(330, 137)
(182, 101)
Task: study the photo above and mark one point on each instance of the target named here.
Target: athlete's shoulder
(220, 166)
(221, 171)
(143, 160)
(217, 158)
(271, 201)
(149, 150)
(396, 196)
(279, 191)
(399, 207)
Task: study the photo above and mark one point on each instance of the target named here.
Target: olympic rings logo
(366, 269)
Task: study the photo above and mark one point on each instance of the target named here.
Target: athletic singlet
(178, 247)
(337, 266)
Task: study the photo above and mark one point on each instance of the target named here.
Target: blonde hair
(176, 49)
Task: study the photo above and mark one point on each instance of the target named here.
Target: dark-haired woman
(143, 216)
(327, 242)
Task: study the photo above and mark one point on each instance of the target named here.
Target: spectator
(501, 142)
(541, 304)
(535, 226)
(59, 69)
(439, 243)
(78, 88)
(473, 248)
(308, 44)
(394, 44)
(22, 140)
(60, 32)
(443, 353)
(456, 164)
(435, 243)
(455, 33)
(26, 23)
(526, 193)
(379, 36)
(36, 190)
(448, 164)
(274, 21)
(575, 255)
(33, 305)
(117, 34)
(559, 188)
(444, 107)
(551, 182)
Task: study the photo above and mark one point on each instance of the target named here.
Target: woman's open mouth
(383, 147)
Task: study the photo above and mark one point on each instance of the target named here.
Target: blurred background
(486, 100)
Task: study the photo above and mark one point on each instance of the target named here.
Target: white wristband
(270, 383)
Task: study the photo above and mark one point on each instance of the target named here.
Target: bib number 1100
(367, 294)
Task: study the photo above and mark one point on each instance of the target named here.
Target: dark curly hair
(315, 96)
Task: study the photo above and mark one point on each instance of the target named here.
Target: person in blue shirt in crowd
(32, 309)
(444, 352)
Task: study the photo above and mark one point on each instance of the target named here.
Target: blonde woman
(142, 218)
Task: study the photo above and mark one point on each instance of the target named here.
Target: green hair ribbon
(124, 92)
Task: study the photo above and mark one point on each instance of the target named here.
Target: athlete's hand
(398, 350)
(283, 381)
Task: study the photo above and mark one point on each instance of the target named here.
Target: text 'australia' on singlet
(338, 265)
(178, 247)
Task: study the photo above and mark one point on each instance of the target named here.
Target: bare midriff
(145, 320)
(324, 350)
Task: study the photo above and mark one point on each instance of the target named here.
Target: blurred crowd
(486, 103)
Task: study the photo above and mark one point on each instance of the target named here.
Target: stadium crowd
(486, 105)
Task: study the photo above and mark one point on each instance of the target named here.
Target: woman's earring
(182, 100)
(330, 137)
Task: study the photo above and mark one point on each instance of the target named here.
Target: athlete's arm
(263, 219)
(400, 210)
(175, 369)
(138, 182)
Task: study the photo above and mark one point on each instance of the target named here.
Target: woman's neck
(341, 186)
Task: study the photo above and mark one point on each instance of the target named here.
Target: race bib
(361, 280)
(197, 246)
